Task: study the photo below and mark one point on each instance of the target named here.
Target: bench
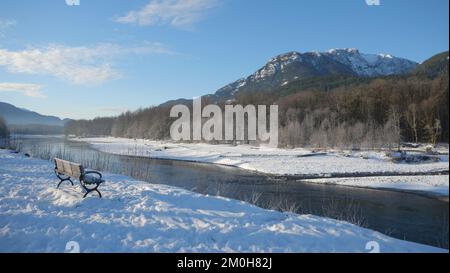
(89, 180)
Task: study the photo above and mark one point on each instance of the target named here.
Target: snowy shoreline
(135, 216)
(293, 162)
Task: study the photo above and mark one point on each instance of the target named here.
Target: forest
(344, 112)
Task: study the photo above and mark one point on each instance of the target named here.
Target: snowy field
(290, 162)
(432, 184)
(136, 216)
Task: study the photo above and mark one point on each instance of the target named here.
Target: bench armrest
(93, 172)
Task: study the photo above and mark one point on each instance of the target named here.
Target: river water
(402, 215)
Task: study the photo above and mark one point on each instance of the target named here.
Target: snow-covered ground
(433, 184)
(136, 216)
(290, 162)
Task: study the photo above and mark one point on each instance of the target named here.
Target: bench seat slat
(59, 165)
(69, 168)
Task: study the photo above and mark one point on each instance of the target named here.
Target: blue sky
(107, 56)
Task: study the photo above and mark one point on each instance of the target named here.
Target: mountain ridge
(21, 116)
(434, 66)
(293, 66)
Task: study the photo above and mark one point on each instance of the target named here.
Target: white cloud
(178, 13)
(5, 24)
(27, 89)
(78, 65)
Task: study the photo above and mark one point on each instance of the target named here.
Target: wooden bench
(89, 180)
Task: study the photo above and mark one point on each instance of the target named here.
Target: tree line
(382, 113)
(374, 113)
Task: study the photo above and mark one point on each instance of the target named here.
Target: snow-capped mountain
(371, 64)
(294, 66)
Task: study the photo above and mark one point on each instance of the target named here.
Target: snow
(388, 56)
(136, 216)
(286, 58)
(241, 83)
(370, 64)
(283, 161)
(274, 65)
(316, 53)
(268, 70)
(437, 185)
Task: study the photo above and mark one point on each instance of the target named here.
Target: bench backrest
(69, 168)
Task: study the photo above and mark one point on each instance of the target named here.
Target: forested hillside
(329, 111)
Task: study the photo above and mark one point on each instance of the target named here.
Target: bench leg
(62, 180)
(91, 190)
(99, 194)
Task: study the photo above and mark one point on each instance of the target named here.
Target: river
(402, 215)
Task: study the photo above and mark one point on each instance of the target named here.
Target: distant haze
(18, 116)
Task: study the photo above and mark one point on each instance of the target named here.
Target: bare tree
(411, 117)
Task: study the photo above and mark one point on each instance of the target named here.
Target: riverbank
(297, 163)
(136, 216)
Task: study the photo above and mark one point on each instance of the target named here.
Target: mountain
(324, 98)
(170, 103)
(435, 66)
(18, 116)
(294, 66)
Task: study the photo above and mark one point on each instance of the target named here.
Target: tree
(411, 117)
(392, 131)
(434, 131)
(368, 113)
(4, 131)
